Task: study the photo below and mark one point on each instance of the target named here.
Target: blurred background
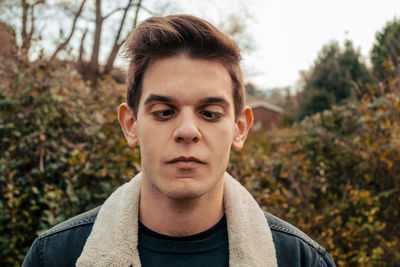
(322, 77)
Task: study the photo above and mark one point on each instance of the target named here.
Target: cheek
(147, 142)
(223, 137)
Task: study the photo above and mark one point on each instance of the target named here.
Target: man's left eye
(163, 114)
(208, 115)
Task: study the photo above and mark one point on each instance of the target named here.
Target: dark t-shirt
(208, 248)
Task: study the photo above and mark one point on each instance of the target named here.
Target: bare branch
(151, 12)
(64, 44)
(82, 49)
(32, 27)
(139, 5)
(117, 44)
(24, 22)
(27, 37)
(38, 2)
(112, 12)
(94, 61)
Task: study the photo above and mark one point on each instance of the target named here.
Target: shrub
(336, 176)
(62, 152)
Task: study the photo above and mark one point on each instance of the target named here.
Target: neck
(180, 217)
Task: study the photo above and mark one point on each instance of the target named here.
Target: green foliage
(386, 51)
(335, 76)
(251, 89)
(61, 152)
(314, 101)
(336, 176)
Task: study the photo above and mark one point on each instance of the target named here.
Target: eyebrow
(215, 100)
(158, 98)
(168, 99)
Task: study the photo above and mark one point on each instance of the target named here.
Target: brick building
(266, 116)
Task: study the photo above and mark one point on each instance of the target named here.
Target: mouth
(185, 163)
(185, 160)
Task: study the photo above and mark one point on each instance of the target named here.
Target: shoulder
(295, 248)
(83, 219)
(62, 244)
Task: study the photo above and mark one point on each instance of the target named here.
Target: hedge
(62, 152)
(335, 175)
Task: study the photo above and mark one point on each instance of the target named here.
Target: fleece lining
(114, 237)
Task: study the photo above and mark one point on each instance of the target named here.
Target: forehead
(187, 79)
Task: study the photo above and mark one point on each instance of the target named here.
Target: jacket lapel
(250, 239)
(113, 240)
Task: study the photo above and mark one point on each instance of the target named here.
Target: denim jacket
(63, 244)
(108, 235)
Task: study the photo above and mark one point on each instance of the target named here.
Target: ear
(243, 124)
(127, 120)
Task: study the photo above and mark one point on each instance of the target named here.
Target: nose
(186, 130)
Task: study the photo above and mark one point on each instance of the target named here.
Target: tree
(333, 78)
(385, 53)
(59, 11)
(28, 14)
(8, 46)
(95, 29)
(90, 70)
(73, 28)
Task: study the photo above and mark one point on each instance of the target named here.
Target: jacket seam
(71, 225)
(304, 238)
(320, 261)
(41, 252)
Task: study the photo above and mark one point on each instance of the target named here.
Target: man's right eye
(163, 114)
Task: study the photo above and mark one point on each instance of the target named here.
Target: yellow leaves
(390, 244)
(103, 172)
(397, 103)
(388, 124)
(384, 158)
(284, 174)
(338, 176)
(378, 251)
(334, 212)
(329, 175)
(77, 157)
(329, 232)
(389, 164)
(340, 263)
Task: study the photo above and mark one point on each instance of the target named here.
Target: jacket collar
(113, 240)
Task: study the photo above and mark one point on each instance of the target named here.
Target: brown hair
(161, 37)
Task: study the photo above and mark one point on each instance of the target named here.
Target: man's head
(185, 106)
(162, 37)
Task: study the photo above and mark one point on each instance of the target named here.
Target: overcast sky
(286, 34)
(289, 33)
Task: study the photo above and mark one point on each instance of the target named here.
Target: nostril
(187, 140)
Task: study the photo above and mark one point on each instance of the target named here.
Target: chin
(184, 185)
(185, 190)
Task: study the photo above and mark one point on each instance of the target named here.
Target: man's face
(185, 126)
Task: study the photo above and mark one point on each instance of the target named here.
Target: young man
(185, 109)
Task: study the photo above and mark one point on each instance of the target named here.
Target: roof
(266, 106)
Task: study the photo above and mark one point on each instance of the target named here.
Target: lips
(185, 162)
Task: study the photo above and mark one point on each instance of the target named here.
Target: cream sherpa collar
(113, 240)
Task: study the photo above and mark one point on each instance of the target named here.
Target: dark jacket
(63, 244)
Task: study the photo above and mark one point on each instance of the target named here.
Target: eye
(163, 114)
(210, 116)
